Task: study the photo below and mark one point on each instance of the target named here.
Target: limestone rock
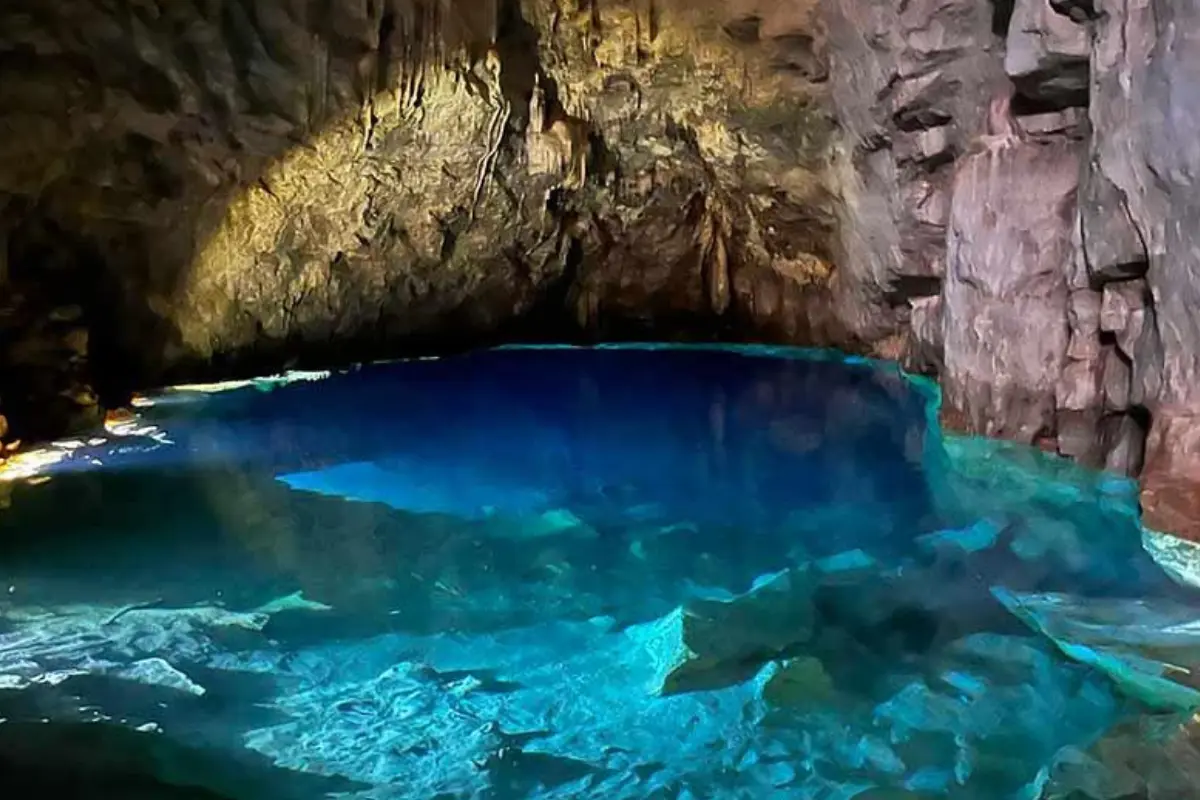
(905, 86)
(1006, 289)
(223, 193)
(193, 192)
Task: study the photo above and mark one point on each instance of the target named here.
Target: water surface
(635, 572)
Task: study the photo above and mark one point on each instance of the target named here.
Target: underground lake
(623, 572)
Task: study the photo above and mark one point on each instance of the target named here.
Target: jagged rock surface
(224, 187)
(1059, 306)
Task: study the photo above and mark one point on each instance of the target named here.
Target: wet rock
(1179, 558)
(800, 683)
(157, 672)
(1151, 757)
(1147, 647)
(708, 644)
(97, 760)
(1171, 503)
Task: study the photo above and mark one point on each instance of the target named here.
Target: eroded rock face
(1005, 290)
(1039, 259)
(906, 87)
(232, 186)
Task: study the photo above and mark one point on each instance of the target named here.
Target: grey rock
(1070, 121)
(1117, 377)
(1047, 54)
(1124, 441)
(1114, 248)
(925, 351)
(905, 82)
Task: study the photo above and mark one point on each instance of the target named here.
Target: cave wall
(1022, 201)
(999, 192)
(201, 189)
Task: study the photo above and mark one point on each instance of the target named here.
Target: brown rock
(1170, 496)
(224, 193)
(1171, 505)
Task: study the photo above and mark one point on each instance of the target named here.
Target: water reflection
(614, 573)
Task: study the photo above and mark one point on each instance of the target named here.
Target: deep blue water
(615, 573)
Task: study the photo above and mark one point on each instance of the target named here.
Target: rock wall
(1039, 256)
(1002, 192)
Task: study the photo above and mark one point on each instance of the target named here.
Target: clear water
(633, 572)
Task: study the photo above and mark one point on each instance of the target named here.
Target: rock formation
(1002, 192)
(204, 188)
(1057, 306)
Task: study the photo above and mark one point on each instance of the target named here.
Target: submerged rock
(709, 644)
(1153, 757)
(1179, 558)
(798, 683)
(157, 672)
(296, 601)
(1150, 648)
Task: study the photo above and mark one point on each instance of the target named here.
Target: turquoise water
(635, 572)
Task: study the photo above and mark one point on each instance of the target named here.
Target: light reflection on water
(614, 573)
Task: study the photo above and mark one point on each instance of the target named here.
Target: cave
(618, 399)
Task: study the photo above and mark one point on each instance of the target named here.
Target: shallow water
(616, 573)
